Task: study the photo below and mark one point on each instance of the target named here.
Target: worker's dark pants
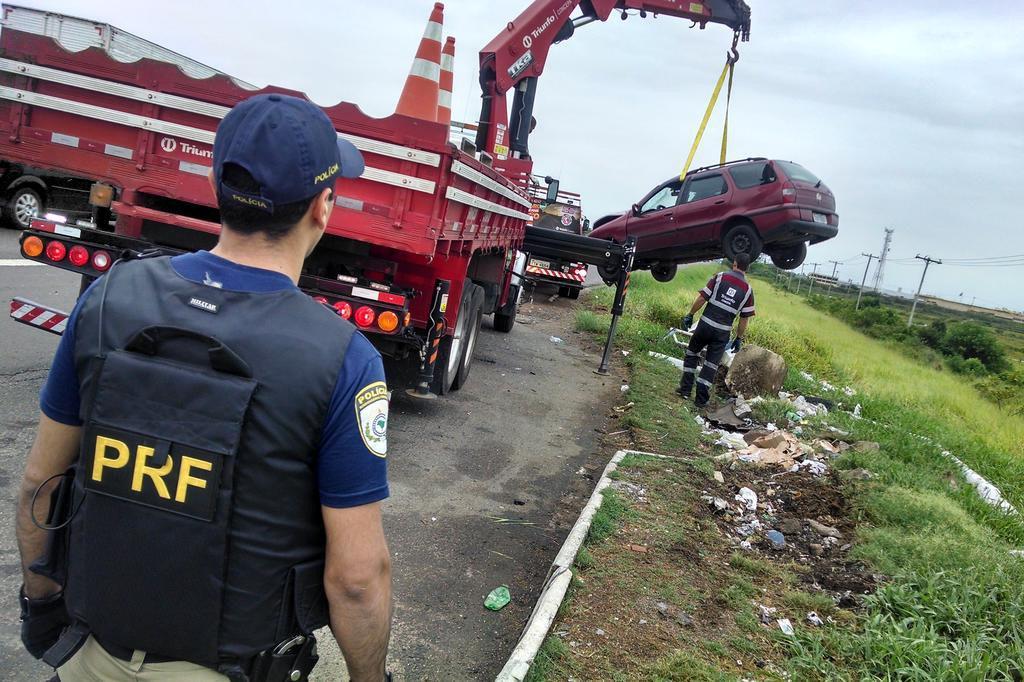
(715, 341)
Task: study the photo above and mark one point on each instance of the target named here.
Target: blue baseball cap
(288, 145)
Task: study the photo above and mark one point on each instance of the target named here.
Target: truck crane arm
(516, 57)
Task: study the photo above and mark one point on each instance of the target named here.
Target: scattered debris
(815, 467)
(858, 475)
(733, 441)
(786, 626)
(642, 549)
(849, 391)
(625, 407)
(777, 539)
(814, 619)
(865, 446)
(662, 608)
(624, 387)
(519, 503)
(625, 353)
(555, 339)
(766, 613)
(633, 491)
(856, 411)
(718, 503)
(684, 619)
(822, 529)
(748, 498)
(675, 362)
(599, 632)
(719, 477)
(498, 598)
(728, 415)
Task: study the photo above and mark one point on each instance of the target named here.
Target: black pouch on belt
(290, 661)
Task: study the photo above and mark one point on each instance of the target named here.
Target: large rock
(756, 371)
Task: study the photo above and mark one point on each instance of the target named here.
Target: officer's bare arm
(358, 584)
(741, 328)
(698, 303)
(53, 451)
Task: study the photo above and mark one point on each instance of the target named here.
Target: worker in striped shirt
(725, 297)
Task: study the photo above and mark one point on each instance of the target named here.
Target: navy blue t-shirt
(350, 473)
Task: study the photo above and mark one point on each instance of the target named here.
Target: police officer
(725, 296)
(216, 441)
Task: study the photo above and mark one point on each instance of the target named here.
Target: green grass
(952, 607)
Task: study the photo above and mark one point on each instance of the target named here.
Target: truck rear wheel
(505, 317)
(451, 347)
(571, 293)
(472, 334)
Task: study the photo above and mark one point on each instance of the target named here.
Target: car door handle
(720, 201)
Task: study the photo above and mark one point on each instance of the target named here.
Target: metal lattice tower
(880, 272)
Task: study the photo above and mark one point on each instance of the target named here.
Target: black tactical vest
(728, 297)
(199, 533)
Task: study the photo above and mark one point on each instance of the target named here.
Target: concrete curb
(559, 577)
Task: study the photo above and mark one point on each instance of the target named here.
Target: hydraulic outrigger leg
(621, 286)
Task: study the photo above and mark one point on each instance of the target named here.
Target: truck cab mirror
(552, 193)
(586, 225)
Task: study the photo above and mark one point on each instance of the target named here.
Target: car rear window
(794, 171)
(752, 174)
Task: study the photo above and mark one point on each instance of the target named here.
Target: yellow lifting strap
(730, 63)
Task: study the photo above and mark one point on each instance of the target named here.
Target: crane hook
(734, 53)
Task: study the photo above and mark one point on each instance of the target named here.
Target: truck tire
(663, 272)
(742, 238)
(505, 317)
(472, 334)
(25, 204)
(789, 258)
(572, 293)
(450, 349)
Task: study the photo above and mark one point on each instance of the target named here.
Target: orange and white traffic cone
(444, 97)
(420, 94)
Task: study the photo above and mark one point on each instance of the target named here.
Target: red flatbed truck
(418, 249)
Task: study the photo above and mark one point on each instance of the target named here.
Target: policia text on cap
(212, 443)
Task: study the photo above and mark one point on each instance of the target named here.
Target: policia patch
(372, 417)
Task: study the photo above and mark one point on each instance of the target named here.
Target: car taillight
(387, 321)
(32, 247)
(344, 309)
(364, 316)
(78, 255)
(788, 194)
(101, 260)
(56, 251)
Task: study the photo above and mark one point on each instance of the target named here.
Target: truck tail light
(387, 321)
(101, 260)
(320, 299)
(788, 193)
(344, 309)
(32, 247)
(78, 255)
(56, 251)
(365, 316)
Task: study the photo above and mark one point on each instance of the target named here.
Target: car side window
(753, 174)
(666, 197)
(704, 188)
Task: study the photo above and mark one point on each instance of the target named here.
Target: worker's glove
(42, 622)
(687, 322)
(735, 345)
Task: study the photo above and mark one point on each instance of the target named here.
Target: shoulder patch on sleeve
(372, 415)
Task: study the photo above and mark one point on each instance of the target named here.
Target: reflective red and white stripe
(557, 274)
(40, 316)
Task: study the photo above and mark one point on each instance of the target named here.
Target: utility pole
(928, 260)
(880, 272)
(835, 266)
(813, 273)
(865, 278)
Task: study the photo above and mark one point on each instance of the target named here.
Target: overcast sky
(912, 112)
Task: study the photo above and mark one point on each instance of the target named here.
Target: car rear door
(654, 221)
(703, 205)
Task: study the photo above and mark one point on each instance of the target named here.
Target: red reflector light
(320, 299)
(365, 316)
(343, 308)
(788, 194)
(56, 251)
(78, 255)
(101, 260)
(393, 299)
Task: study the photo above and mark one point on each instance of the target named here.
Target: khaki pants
(93, 664)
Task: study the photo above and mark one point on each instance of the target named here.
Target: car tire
(742, 238)
(663, 272)
(449, 357)
(789, 258)
(505, 316)
(25, 204)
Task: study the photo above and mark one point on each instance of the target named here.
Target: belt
(126, 653)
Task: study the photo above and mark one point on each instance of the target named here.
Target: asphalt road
(507, 446)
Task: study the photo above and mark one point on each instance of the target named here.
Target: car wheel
(742, 238)
(24, 205)
(664, 272)
(789, 258)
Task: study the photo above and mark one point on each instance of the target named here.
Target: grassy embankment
(953, 608)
